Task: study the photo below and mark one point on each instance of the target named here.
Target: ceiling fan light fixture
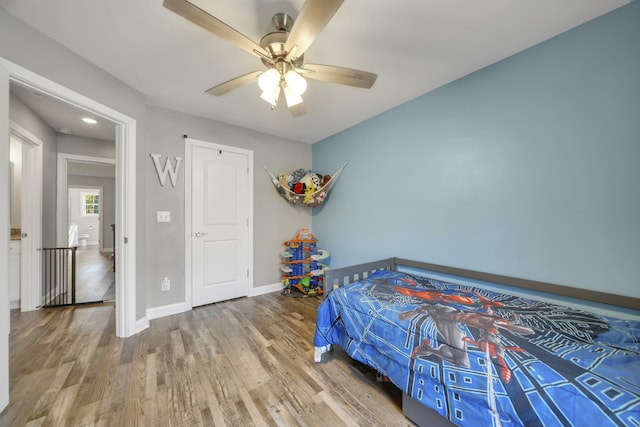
(271, 96)
(269, 80)
(282, 51)
(291, 97)
(296, 82)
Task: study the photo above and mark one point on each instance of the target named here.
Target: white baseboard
(167, 310)
(14, 304)
(142, 324)
(105, 250)
(261, 290)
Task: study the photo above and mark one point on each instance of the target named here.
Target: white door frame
(62, 214)
(31, 218)
(125, 244)
(188, 234)
(5, 224)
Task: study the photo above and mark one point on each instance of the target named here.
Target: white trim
(167, 310)
(30, 258)
(267, 289)
(125, 187)
(5, 318)
(83, 202)
(142, 324)
(188, 229)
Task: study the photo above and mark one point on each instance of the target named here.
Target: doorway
(87, 225)
(84, 213)
(125, 244)
(25, 218)
(87, 209)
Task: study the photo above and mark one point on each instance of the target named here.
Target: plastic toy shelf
(303, 273)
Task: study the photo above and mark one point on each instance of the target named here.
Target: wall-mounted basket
(304, 187)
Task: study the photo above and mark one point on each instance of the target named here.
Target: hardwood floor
(245, 362)
(95, 278)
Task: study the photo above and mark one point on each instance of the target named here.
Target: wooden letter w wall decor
(168, 169)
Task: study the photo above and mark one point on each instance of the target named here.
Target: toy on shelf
(304, 187)
(302, 271)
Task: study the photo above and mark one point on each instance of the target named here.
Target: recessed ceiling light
(64, 131)
(89, 120)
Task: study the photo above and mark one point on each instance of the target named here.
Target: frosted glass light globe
(269, 80)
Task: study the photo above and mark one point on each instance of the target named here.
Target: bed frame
(342, 276)
(416, 412)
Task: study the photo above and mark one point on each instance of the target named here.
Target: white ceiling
(414, 46)
(63, 117)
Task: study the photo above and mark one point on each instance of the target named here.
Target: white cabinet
(14, 273)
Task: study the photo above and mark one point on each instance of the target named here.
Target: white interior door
(220, 223)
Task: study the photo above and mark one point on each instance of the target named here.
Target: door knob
(199, 234)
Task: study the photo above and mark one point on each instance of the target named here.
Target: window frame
(84, 204)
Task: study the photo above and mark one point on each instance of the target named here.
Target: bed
(477, 357)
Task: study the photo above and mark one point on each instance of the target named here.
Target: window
(90, 204)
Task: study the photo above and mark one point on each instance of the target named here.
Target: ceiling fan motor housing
(274, 42)
(282, 22)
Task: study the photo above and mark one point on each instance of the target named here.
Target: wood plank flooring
(95, 278)
(245, 362)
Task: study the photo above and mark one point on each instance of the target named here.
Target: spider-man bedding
(484, 358)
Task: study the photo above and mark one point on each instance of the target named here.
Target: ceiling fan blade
(235, 83)
(313, 17)
(298, 110)
(210, 23)
(340, 75)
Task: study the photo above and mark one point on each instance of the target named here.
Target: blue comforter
(481, 358)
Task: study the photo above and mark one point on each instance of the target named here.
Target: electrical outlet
(166, 284)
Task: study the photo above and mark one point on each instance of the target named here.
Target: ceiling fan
(281, 51)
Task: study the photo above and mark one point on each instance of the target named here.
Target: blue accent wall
(529, 167)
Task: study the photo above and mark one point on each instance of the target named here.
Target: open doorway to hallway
(124, 128)
(83, 198)
(125, 242)
(91, 216)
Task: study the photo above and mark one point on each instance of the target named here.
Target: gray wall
(274, 219)
(71, 144)
(39, 54)
(25, 117)
(160, 250)
(527, 168)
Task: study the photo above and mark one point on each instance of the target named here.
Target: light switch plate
(164, 216)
